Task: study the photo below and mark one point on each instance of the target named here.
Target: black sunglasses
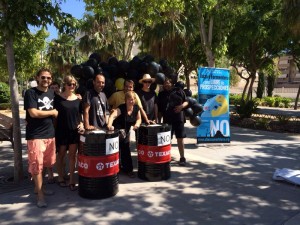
(71, 84)
(147, 81)
(44, 77)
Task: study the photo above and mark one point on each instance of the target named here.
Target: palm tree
(62, 53)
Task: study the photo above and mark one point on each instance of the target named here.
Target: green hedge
(276, 101)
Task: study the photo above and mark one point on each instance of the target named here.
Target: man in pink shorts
(38, 103)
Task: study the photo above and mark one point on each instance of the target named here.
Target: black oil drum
(154, 152)
(98, 164)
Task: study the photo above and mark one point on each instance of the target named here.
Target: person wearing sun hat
(148, 98)
(148, 78)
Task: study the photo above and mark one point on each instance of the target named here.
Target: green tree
(15, 18)
(62, 53)
(261, 85)
(27, 57)
(122, 23)
(194, 32)
(291, 20)
(253, 42)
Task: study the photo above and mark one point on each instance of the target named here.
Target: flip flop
(72, 187)
(62, 183)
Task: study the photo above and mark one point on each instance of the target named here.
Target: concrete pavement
(221, 185)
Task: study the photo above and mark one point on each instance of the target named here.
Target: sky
(75, 7)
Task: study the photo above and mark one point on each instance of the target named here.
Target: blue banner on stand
(213, 95)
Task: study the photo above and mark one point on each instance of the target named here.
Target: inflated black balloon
(168, 71)
(112, 61)
(109, 87)
(88, 72)
(103, 65)
(123, 66)
(188, 92)
(96, 56)
(135, 62)
(163, 63)
(76, 70)
(92, 63)
(148, 58)
(195, 120)
(142, 68)
(81, 90)
(160, 78)
(98, 70)
(152, 68)
(192, 101)
(112, 70)
(174, 78)
(179, 84)
(188, 112)
(89, 84)
(197, 108)
(132, 74)
(160, 69)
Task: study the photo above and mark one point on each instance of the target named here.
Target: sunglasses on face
(147, 81)
(71, 84)
(44, 77)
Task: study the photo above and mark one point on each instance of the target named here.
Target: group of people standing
(55, 119)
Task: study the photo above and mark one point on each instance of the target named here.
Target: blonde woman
(69, 125)
(125, 116)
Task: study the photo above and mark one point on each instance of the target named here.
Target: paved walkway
(221, 185)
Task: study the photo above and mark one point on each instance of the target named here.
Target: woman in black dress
(69, 124)
(125, 116)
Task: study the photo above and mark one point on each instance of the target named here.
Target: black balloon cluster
(114, 69)
(194, 110)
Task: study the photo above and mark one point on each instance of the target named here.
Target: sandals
(73, 187)
(62, 184)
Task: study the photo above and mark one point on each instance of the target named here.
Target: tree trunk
(18, 162)
(187, 77)
(252, 79)
(297, 99)
(205, 39)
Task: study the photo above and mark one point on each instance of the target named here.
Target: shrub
(283, 118)
(5, 106)
(4, 93)
(245, 109)
(234, 99)
(286, 102)
(270, 101)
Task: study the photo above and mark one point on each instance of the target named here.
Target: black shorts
(178, 128)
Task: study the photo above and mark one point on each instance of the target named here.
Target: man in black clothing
(171, 103)
(95, 105)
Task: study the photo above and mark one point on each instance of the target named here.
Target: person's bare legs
(72, 162)
(50, 174)
(180, 144)
(60, 163)
(38, 188)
